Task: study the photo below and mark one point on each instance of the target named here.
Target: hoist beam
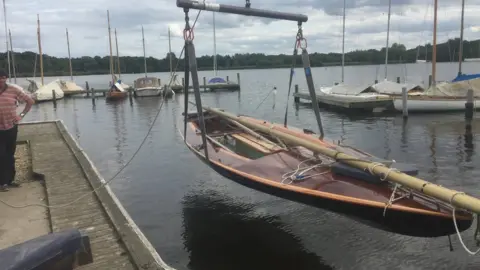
(201, 5)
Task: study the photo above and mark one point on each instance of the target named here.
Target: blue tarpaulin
(465, 77)
(217, 80)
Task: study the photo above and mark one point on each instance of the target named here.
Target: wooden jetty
(214, 87)
(345, 104)
(116, 241)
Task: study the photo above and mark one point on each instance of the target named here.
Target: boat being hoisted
(302, 166)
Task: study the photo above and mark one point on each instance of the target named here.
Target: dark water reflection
(199, 220)
(220, 233)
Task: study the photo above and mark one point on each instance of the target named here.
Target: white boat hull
(432, 105)
(148, 91)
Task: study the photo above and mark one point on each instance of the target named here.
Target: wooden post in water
(204, 84)
(228, 79)
(429, 80)
(296, 99)
(469, 105)
(183, 82)
(54, 99)
(398, 79)
(93, 96)
(87, 88)
(404, 102)
(238, 79)
(376, 81)
(130, 94)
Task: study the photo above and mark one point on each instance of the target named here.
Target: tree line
(397, 53)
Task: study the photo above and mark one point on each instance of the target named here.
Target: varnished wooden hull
(114, 95)
(364, 202)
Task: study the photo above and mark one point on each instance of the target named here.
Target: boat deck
(349, 104)
(116, 242)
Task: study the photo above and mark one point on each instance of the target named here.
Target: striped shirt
(8, 105)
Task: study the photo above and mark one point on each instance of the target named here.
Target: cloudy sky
(366, 25)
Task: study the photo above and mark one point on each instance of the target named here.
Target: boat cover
(217, 80)
(457, 89)
(347, 170)
(465, 77)
(36, 252)
(393, 88)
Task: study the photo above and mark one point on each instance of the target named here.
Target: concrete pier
(116, 241)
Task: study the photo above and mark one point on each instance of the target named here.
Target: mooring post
(183, 82)
(404, 102)
(87, 88)
(376, 81)
(398, 79)
(54, 98)
(93, 96)
(204, 84)
(130, 94)
(469, 105)
(228, 79)
(296, 99)
(429, 80)
(238, 80)
(336, 83)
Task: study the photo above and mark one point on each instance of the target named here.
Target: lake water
(197, 219)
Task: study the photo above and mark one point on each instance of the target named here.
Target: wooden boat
(116, 94)
(263, 162)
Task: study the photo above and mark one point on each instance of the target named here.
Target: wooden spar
(455, 198)
(118, 57)
(251, 132)
(434, 51)
(110, 43)
(13, 57)
(40, 47)
(69, 57)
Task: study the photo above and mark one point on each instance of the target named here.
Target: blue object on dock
(217, 80)
(308, 72)
(44, 252)
(466, 77)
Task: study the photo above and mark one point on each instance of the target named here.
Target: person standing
(9, 119)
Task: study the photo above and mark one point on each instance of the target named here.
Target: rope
(103, 184)
(116, 174)
(295, 175)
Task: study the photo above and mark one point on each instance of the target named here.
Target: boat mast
(69, 58)
(6, 40)
(144, 56)
(343, 42)
(214, 47)
(388, 36)
(118, 57)
(460, 51)
(434, 51)
(170, 51)
(40, 47)
(13, 58)
(110, 42)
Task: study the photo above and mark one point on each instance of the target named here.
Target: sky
(366, 26)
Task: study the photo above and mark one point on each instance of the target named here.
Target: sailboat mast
(434, 52)
(460, 51)
(214, 47)
(388, 36)
(118, 57)
(13, 57)
(6, 39)
(110, 42)
(170, 51)
(343, 42)
(40, 47)
(69, 57)
(144, 55)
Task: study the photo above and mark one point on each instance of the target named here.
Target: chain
(188, 34)
(301, 41)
